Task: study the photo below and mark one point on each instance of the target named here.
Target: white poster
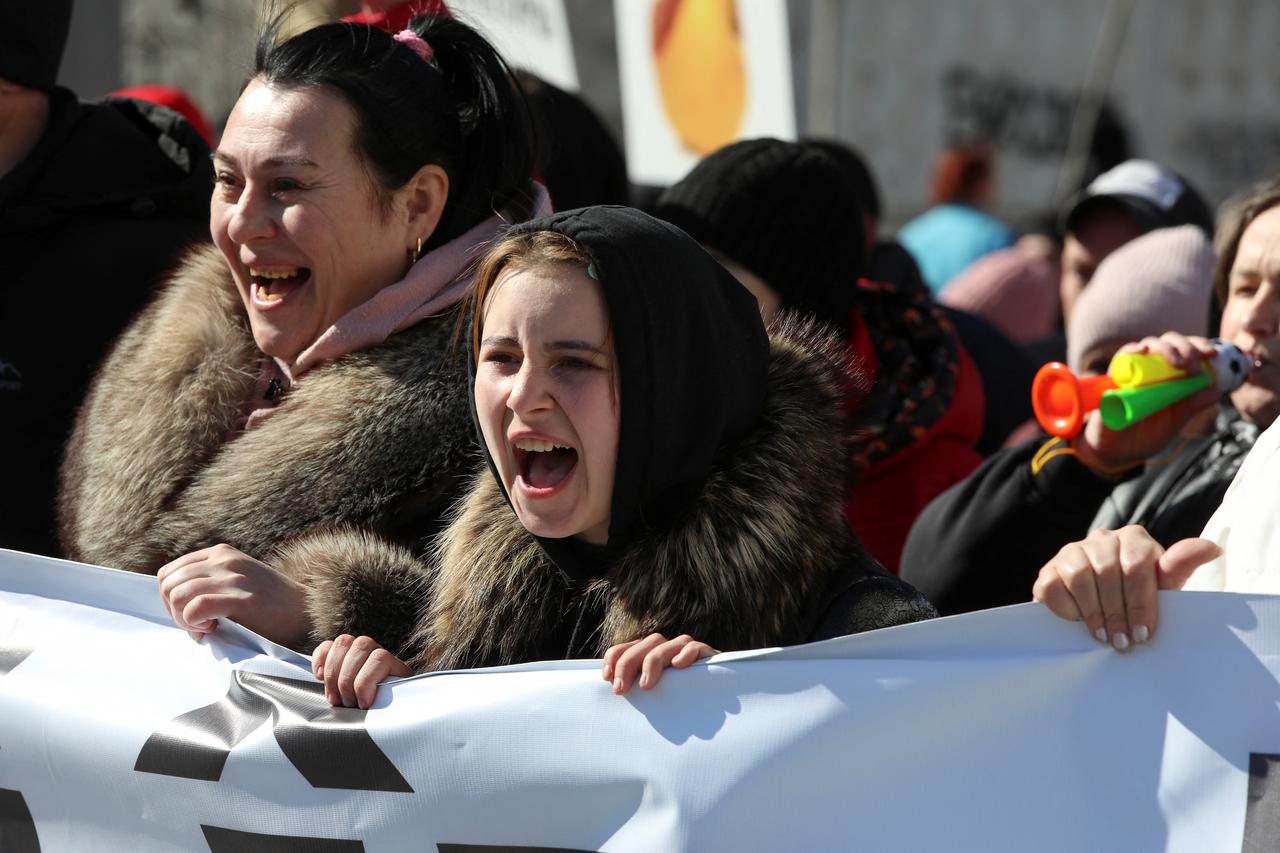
(1008, 730)
(530, 34)
(697, 75)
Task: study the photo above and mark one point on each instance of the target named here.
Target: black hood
(117, 155)
(32, 38)
(692, 361)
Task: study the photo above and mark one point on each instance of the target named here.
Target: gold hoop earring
(416, 254)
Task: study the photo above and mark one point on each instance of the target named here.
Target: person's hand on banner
(1110, 579)
(647, 658)
(222, 583)
(353, 667)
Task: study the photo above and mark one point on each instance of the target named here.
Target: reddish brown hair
(961, 172)
(518, 251)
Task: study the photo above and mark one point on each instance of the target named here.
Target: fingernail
(1141, 634)
(1121, 642)
(608, 673)
(617, 685)
(644, 680)
(1100, 635)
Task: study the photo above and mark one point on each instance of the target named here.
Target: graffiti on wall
(1023, 117)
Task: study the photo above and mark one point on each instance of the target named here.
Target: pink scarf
(435, 283)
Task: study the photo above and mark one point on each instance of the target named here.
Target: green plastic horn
(1124, 407)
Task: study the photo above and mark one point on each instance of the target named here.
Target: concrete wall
(1197, 86)
(91, 62)
(203, 46)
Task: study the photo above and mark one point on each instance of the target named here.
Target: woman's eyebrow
(580, 346)
(277, 162)
(500, 341)
(270, 163)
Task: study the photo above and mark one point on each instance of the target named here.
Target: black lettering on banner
(503, 848)
(1262, 811)
(232, 841)
(17, 829)
(11, 657)
(329, 746)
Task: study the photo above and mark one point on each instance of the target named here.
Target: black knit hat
(859, 170)
(787, 211)
(32, 37)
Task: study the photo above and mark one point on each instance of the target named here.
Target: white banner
(530, 34)
(1004, 730)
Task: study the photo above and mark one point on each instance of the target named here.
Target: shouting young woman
(664, 477)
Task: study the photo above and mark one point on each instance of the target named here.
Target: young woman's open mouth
(542, 466)
(271, 286)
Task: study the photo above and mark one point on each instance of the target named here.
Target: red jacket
(884, 499)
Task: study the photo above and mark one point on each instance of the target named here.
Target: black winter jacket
(89, 221)
(982, 542)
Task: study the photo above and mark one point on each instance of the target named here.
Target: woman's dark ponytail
(461, 110)
(494, 121)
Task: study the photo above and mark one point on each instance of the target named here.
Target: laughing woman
(291, 400)
(659, 467)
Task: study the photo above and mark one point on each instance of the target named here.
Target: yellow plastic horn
(1131, 370)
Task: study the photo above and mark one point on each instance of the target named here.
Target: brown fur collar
(379, 440)
(740, 569)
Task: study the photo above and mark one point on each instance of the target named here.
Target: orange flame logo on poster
(697, 51)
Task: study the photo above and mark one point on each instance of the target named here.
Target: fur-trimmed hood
(761, 556)
(379, 440)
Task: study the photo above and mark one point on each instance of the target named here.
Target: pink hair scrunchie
(414, 42)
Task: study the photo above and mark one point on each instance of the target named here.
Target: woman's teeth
(265, 281)
(543, 464)
(536, 446)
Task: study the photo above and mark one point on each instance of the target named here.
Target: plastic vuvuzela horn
(1137, 385)
(1124, 407)
(1061, 399)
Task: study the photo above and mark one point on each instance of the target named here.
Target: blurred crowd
(296, 406)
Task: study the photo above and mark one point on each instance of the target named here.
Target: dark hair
(460, 110)
(1237, 216)
(579, 161)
